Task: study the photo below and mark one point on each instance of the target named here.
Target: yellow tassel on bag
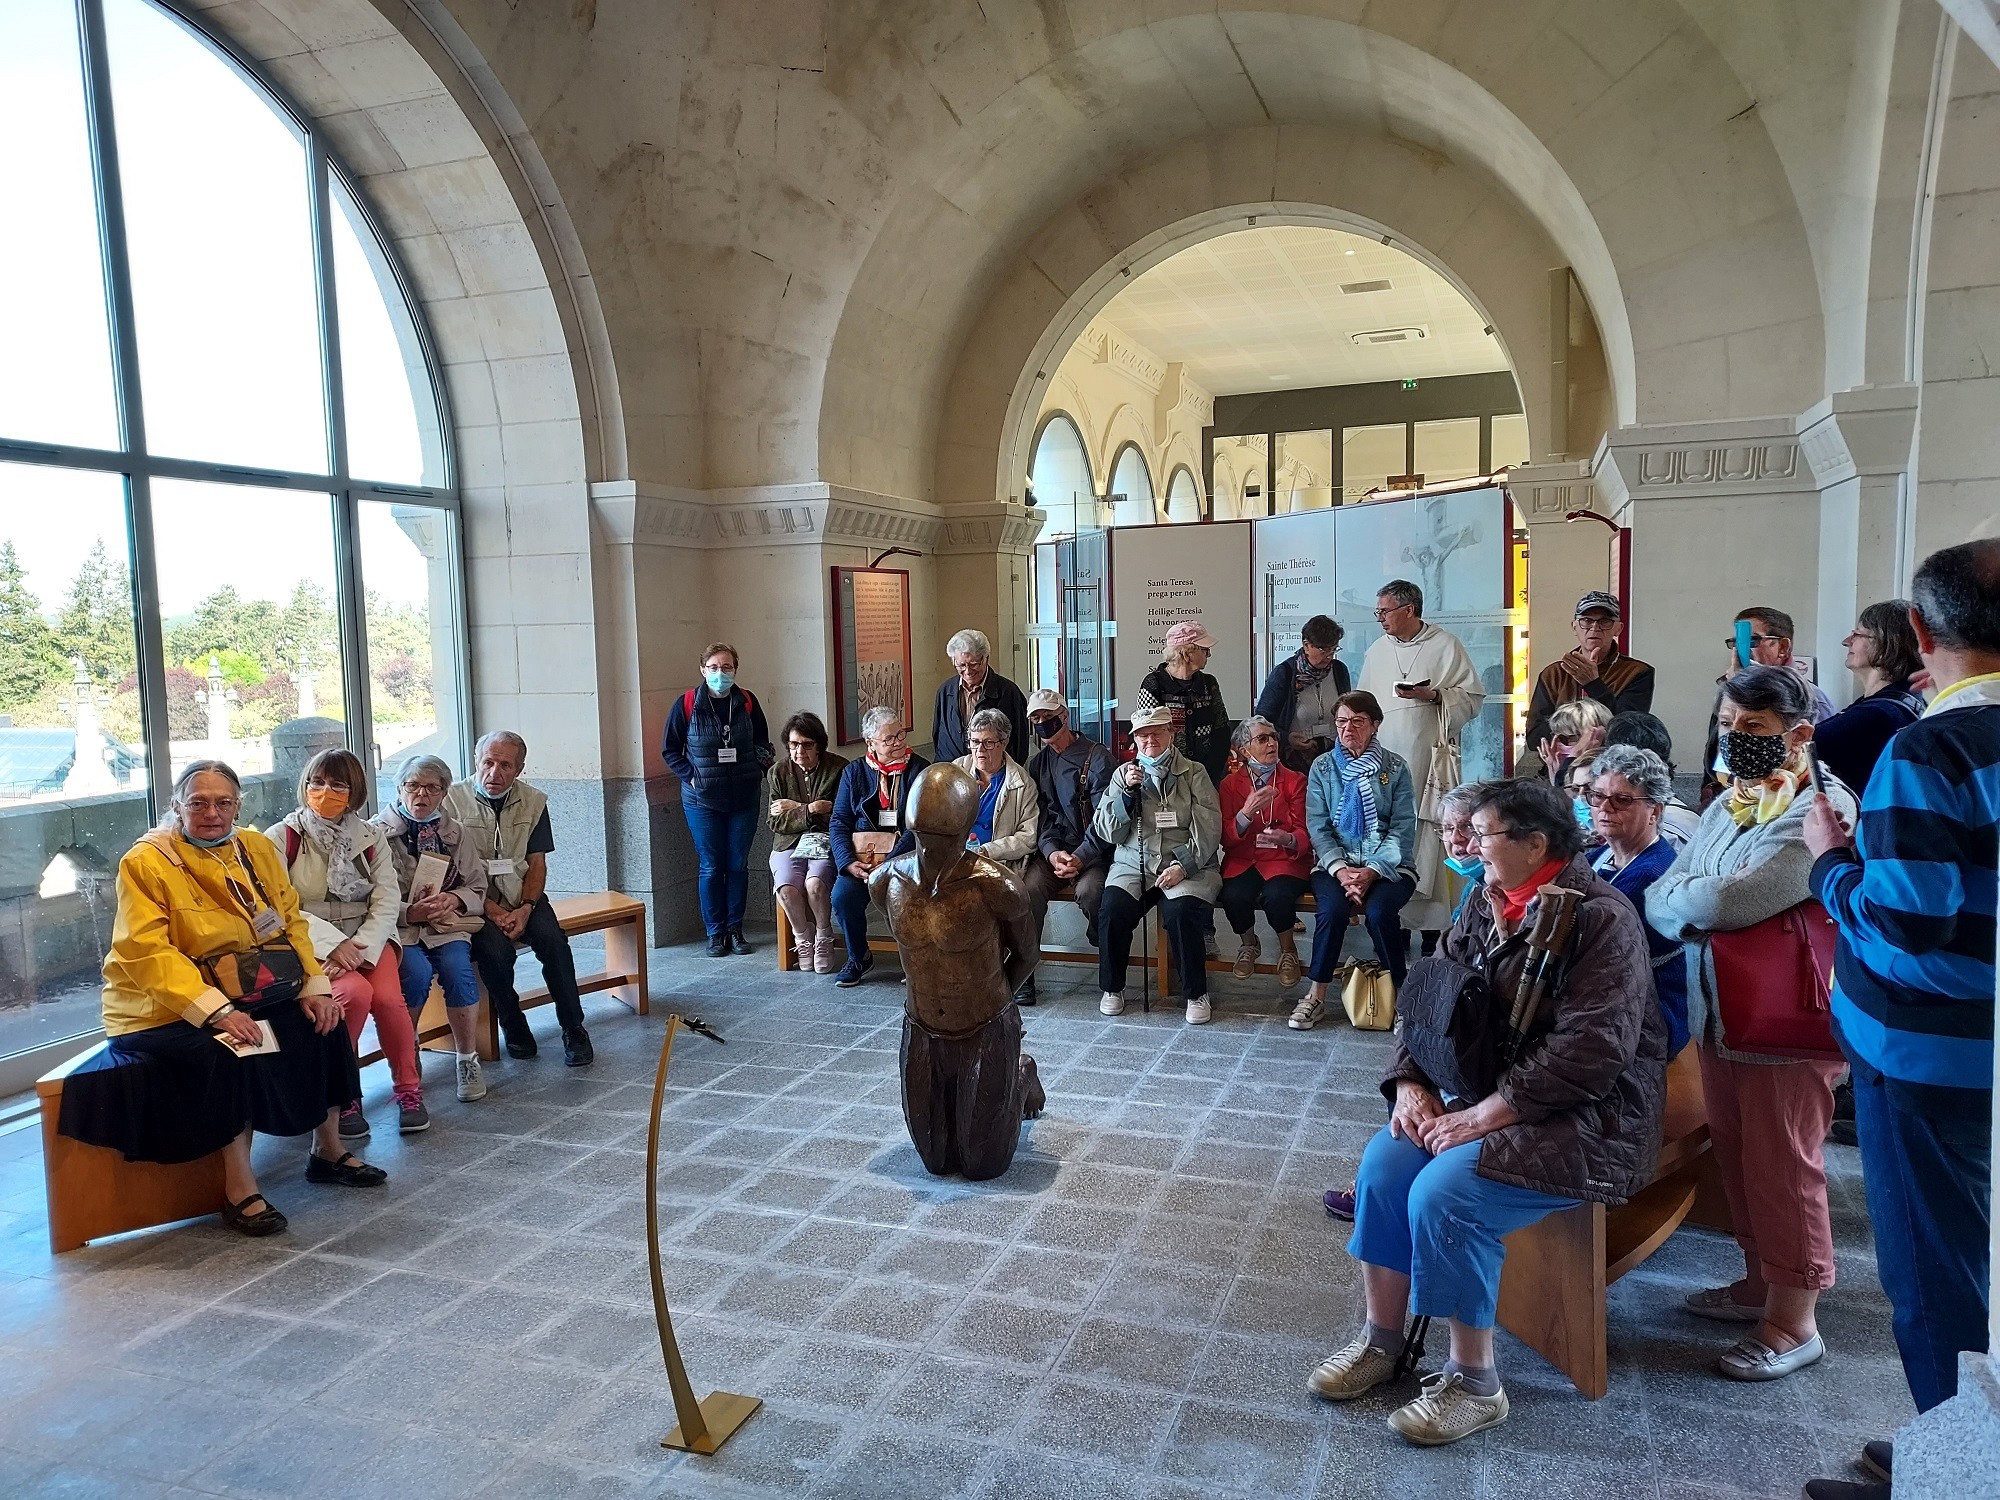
(1369, 997)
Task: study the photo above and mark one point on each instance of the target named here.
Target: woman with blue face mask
(717, 743)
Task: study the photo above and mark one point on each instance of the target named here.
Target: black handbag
(1451, 1026)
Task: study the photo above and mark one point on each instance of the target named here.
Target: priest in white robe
(1429, 691)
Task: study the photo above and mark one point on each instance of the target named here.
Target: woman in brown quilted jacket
(1574, 1118)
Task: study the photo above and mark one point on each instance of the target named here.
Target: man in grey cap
(1595, 669)
(1070, 773)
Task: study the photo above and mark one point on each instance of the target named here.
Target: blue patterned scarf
(1358, 812)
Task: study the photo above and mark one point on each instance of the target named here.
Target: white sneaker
(1112, 1003)
(471, 1082)
(1447, 1411)
(1198, 1011)
(1307, 1013)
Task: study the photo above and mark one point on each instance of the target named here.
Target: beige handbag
(1369, 997)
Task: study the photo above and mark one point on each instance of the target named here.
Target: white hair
(1645, 770)
(877, 718)
(969, 643)
(424, 768)
(991, 718)
(500, 737)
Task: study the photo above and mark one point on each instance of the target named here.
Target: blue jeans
(722, 841)
(1438, 1222)
(1381, 911)
(1928, 1182)
(850, 915)
(452, 967)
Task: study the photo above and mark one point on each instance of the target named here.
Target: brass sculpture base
(704, 1425)
(721, 1414)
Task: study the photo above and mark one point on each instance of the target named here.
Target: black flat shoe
(718, 945)
(267, 1220)
(577, 1051)
(349, 1171)
(520, 1040)
(738, 946)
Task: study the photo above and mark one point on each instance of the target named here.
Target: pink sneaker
(411, 1114)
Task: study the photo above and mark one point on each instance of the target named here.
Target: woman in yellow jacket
(219, 1017)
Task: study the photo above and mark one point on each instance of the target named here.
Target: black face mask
(1753, 757)
(1047, 729)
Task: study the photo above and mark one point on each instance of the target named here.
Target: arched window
(1183, 496)
(1060, 476)
(1131, 489)
(227, 521)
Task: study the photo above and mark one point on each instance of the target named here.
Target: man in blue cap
(1595, 669)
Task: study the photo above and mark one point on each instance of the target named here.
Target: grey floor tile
(1133, 1353)
(995, 1329)
(892, 1466)
(1226, 1446)
(1104, 1422)
(898, 1312)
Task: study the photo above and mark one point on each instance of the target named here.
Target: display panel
(871, 623)
(1160, 574)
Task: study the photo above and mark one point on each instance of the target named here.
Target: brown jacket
(1591, 1082)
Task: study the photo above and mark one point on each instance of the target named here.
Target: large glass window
(1447, 450)
(1131, 490)
(1370, 456)
(1183, 496)
(200, 554)
(1238, 477)
(1060, 477)
(1305, 471)
(1510, 440)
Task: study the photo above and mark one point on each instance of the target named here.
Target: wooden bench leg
(625, 953)
(787, 960)
(94, 1192)
(1552, 1294)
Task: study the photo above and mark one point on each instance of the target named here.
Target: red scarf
(885, 789)
(1514, 902)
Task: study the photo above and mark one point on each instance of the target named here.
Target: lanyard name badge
(265, 923)
(889, 813)
(725, 754)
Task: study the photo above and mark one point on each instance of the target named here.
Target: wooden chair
(1557, 1271)
(93, 1191)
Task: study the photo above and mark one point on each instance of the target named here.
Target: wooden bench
(883, 943)
(620, 918)
(1553, 1282)
(93, 1191)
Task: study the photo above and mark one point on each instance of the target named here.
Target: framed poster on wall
(871, 646)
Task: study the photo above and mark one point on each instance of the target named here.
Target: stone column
(1723, 515)
(1858, 444)
(1566, 559)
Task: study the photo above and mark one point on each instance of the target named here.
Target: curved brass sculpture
(707, 1424)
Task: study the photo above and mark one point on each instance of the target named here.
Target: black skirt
(173, 1093)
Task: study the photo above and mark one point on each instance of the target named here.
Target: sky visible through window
(216, 191)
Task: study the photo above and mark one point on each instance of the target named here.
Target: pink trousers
(378, 992)
(1768, 1123)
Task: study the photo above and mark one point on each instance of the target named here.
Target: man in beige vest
(507, 821)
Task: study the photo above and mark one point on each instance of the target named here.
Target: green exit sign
(1409, 385)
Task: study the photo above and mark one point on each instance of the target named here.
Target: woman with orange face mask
(340, 865)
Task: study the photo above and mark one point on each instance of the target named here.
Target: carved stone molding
(1548, 492)
(1698, 460)
(766, 516)
(998, 529)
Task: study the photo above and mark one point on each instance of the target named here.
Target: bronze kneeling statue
(968, 938)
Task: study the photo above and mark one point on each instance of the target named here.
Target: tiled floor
(1131, 1311)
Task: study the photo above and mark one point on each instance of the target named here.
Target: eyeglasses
(1266, 738)
(802, 744)
(1616, 801)
(1496, 833)
(1383, 614)
(1755, 640)
(1859, 635)
(211, 804)
(985, 742)
(1588, 622)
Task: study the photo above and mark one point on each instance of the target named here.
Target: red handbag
(1773, 985)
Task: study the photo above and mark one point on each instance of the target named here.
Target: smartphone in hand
(1813, 770)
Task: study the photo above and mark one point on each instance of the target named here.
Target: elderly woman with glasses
(1483, 1140)
(1266, 852)
(870, 823)
(801, 818)
(1361, 811)
(1767, 1116)
(219, 1018)
(441, 881)
(1628, 795)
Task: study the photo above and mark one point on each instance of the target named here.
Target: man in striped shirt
(1914, 893)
